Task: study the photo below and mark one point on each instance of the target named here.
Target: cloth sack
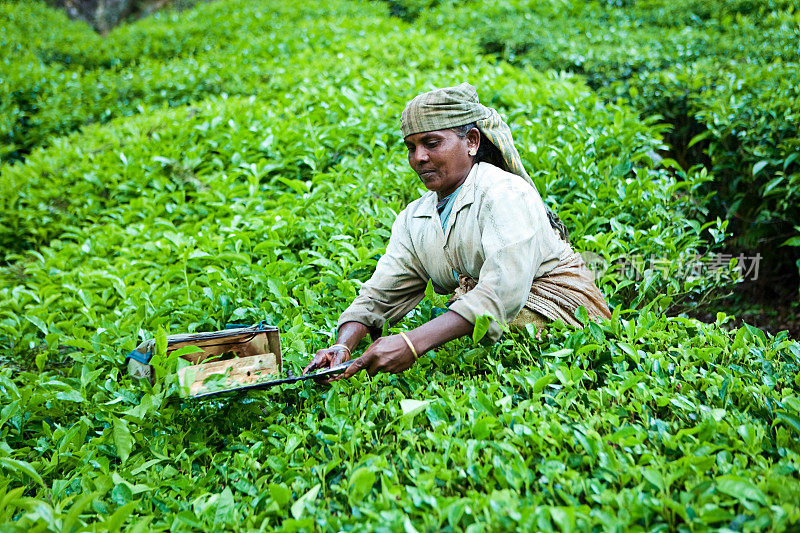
(556, 295)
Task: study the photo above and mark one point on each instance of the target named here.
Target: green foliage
(154, 175)
(275, 202)
(55, 82)
(722, 73)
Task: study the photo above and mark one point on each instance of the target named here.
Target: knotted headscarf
(450, 107)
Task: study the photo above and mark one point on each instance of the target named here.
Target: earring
(473, 152)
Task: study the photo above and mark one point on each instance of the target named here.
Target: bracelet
(349, 353)
(411, 346)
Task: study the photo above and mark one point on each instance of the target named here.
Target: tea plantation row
(273, 202)
(725, 74)
(54, 82)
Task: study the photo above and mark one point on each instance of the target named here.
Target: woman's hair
(487, 151)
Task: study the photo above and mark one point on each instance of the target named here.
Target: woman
(482, 231)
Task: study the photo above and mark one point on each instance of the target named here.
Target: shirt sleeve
(512, 222)
(395, 288)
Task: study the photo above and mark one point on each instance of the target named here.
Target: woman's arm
(392, 353)
(438, 331)
(389, 354)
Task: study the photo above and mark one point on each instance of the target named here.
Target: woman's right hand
(328, 358)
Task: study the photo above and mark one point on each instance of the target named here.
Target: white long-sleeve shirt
(498, 234)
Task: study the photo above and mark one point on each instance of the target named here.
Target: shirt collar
(466, 196)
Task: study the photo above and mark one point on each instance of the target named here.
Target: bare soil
(770, 303)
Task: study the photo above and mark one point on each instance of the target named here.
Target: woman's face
(441, 158)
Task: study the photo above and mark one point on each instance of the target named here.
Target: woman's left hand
(386, 354)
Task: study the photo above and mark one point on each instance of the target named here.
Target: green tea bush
(723, 74)
(636, 433)
(55, 82)
(591, 163)
(276, 206)
(750, 119)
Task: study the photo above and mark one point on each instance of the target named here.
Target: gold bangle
(349, 353)
(410, 346)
